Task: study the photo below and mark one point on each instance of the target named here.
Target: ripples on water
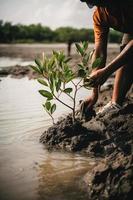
(27, 170)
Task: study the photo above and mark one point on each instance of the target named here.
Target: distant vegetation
(19, 33)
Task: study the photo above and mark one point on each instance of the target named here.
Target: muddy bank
(18, 71)
(111, 180)
(98, 137)
(109, 137)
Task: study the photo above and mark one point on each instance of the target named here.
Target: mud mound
(18, 71)
(111, 180)
(109, 137)
(100, 136)
(68, 136)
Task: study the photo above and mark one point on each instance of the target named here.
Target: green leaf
(53, 108)
(51, 62)
(79, 49)
(42, 82)
(85, 45)
(71, 78)
(67, 72)
(48, 105)
(61, 57)
(52, 82)
(67, 60)
(56, 54)
(81, 73)
(81, 66)
(38, 62)
(88, 57)
(85, 61)
(58, 85)
(45, 65)
(68, 90)
(91, 54)
(51, 87)
(46, 94)
(97, 63)
(35, 69)
(68, 75)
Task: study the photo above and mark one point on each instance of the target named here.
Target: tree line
(10, 33)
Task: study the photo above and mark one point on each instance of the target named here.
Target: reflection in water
(60, 177)
(27, 170)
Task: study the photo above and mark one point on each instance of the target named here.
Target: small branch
(73, 83)
(52, 119)
(68, 95)
(59, 93)
(62, 102)
(79, 81)
(50, 116)
(80, 87)
(65, 93)
(74, 101)
(75, 94)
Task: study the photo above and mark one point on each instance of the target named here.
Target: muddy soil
(109, 137)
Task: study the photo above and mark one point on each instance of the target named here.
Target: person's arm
(100, 51)
(101, 35)
(123, 58)
(100, 76)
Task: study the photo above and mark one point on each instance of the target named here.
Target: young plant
(56, 73)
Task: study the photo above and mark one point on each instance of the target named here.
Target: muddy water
(27, 170)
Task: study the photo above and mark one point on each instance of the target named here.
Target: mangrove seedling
(56, 73)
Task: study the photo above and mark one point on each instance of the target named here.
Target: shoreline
(28, 52)
(108, 138)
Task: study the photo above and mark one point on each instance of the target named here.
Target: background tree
(37, 33)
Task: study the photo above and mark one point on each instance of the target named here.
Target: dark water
(27, 170)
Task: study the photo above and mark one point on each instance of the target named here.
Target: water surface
(9, 61)
(27, 170)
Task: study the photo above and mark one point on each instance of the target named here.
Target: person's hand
(98, 77)
(90, 101)
(86, 107)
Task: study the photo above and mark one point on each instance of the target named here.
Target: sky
(52, 13)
